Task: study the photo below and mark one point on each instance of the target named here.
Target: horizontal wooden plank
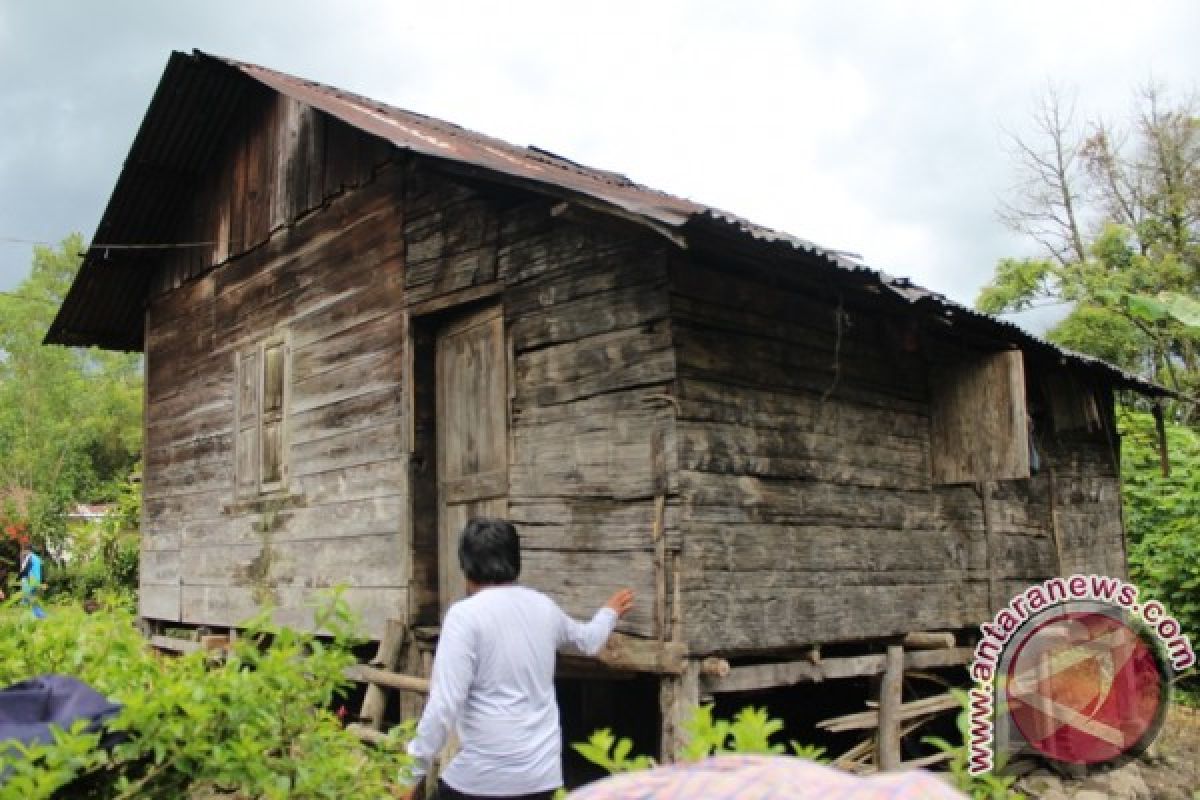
(366, 561)
(601, 454)
(633, 653)
(352, 448)
(567, 321)
(751, 618)
(361, 673)
(173, 644)
(755, 361)
(592, 366)
(384, 333)
(590, 523)
(778, 550)
(222, 606)
(742, 450)
(769, 676)
(360, 482)
(369, 409)
(157, 601)
(800, 410)
(587, 275)
(581, 581)
(376, 515)
(563, 246)
(159, 566)
(377, 369)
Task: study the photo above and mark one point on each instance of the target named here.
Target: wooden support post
(989, 543)
(890, 701)
(661, 626)
(676, 601)
(678, 695)
(1160, 428)
(1055, 524)
(374, 705)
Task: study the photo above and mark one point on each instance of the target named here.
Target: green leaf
(1146, 308)
(1181, 307)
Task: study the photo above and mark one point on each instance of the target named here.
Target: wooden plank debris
(862, 720)
(768, 676)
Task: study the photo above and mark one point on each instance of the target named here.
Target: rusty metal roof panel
(439, 139)
(198, 97)
(183, 125)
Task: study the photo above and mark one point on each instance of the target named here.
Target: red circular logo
(1085, 687)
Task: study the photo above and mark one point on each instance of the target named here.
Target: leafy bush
(988, 786)
(1161, 515)
(255, 725)
(750, 731)
(102, 556)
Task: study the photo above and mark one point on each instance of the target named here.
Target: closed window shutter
(273, 391)
(246, 444)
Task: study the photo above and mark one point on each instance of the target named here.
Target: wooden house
(362, 326)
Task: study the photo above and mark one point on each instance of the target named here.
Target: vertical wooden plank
(313, 129)
(660, 568)
(285, 167)
(237, 197)
(890, 699)
(678, 696)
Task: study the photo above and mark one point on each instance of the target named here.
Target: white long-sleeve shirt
(493, 678)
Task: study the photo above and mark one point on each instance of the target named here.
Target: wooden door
(472, 433)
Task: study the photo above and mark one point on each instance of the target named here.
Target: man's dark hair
(489, 551)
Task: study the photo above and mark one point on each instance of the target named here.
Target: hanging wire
(108, 246)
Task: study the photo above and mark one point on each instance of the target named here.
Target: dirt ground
(1173, 768)
(1170, 769)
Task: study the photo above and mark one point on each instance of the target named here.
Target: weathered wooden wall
(782, 423)
(807, 501)
(308, 244)
(348, 258)
(586, 315)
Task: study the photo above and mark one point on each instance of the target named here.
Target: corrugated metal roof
(198, 96)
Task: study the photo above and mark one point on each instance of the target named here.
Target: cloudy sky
(871, 127)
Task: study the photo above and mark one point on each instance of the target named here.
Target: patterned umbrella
(763, 778)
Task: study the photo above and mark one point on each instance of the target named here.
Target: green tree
(1116, 213)
(70, 419)
(1161, 513)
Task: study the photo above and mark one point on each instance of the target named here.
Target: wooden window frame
(259, 418)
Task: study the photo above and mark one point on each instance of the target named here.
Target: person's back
(493, 674)
(511, 707)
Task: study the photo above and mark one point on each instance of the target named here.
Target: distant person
(31, 579)
(493, 675)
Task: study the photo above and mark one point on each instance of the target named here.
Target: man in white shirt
(493, 675)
